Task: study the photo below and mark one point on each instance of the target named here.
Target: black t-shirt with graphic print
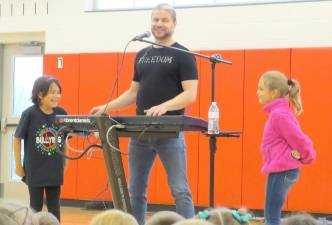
(42, 165)
(160, 72)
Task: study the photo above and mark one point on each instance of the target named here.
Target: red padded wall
(97, 79)
(312, 68)
(256, 63)
(87, 80)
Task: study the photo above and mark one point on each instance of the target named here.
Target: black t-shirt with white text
(42, 165)
(160, 72)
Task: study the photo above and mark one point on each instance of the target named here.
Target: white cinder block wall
(66, 28)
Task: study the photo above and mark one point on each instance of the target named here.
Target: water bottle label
(213, 127)
(213, 114)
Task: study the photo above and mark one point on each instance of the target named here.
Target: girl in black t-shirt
(42, 169)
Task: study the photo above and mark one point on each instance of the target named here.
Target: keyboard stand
(142, 127)
(114, 166)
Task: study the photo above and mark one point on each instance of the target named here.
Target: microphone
(217, 56)
(146, 34)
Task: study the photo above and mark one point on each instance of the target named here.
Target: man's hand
(98, 110)
(20, 171)
(296, 155)
(156, 110)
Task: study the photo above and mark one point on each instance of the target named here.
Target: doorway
(21, 64)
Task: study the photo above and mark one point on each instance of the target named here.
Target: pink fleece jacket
(282, 134)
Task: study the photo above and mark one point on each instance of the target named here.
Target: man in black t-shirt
(164, 83)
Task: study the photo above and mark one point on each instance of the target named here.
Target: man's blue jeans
(278, 185)
(172, 153)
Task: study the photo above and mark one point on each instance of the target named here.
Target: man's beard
(166, 35)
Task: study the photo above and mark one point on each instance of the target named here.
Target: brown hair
(42, 85)
(166, 7)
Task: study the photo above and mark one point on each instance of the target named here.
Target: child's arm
(65, 160)
(295, 137)
(17, 153)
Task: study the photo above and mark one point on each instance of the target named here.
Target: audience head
(300, 219)
(225, 216)
(15, 213)
(46, 218)
(164, 218)
(193, 222)
(114, 217)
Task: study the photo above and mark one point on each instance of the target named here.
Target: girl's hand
(65, 166)
(296, 155)
(20, 171)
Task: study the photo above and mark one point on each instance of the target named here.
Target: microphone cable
(80, 155)
(118, 73)
(61, 153)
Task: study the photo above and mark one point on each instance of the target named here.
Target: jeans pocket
(291, 176)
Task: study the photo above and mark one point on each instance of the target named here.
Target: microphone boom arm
(213, 59)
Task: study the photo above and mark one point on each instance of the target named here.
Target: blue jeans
(278, 185)
(172, 153)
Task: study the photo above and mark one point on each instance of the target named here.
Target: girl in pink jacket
(284, 146)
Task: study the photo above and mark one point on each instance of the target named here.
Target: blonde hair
(193, 222)
(300, 219)
(222, 216)
(275, 80)
(164, 218)
(16, 213)
(114, 217)
(46, 218)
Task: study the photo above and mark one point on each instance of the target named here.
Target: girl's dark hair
(42, 85)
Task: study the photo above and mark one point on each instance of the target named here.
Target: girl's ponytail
(295, 96)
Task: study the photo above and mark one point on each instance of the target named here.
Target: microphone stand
(214, 59)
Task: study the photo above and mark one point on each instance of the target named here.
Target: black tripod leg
(213, 147)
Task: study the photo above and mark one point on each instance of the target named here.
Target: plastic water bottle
(213, 126)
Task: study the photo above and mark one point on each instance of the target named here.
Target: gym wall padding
(87, 80)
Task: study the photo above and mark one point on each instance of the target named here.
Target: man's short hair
(166, 7)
